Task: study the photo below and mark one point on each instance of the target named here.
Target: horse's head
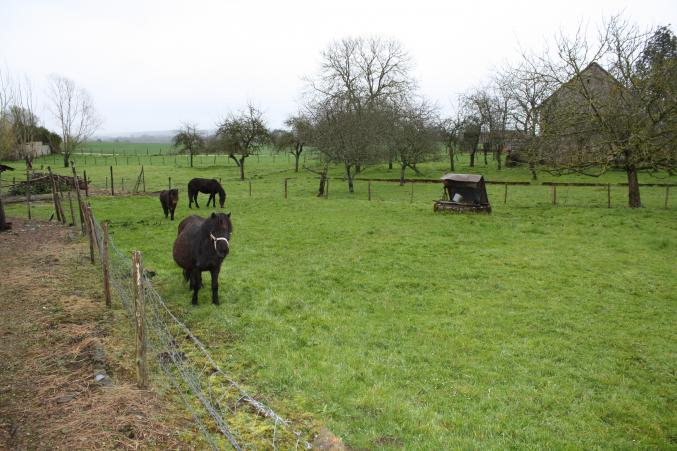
(174, 196)
(220, 229)
(222, 197)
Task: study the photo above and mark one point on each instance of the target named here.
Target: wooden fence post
(122, 187)
(250, 188)
(285, 188)
(77, 192)
(90, 232)
(84, 174)
(554, 194)
(667, 194)
(55, 196)
(112, 182)
(70, 203)
(369, 190)
(608, 195)
(28, 192)
(105, 266)
(505, 194)
(411, 198)
(170, 182)
(326, 187)
(143, 173)
(140, 315)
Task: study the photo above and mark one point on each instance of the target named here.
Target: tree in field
(300, 134)
(242, 135)
(471, 131)
(7, 99)
(74, 111)
(359, 81)
(615, 105)
(189, 140)
(450, 131)
(524, 91)
(412, 137)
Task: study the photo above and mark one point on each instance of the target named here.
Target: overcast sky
(150, 65)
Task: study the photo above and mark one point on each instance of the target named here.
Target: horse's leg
(196, 282)
(215, 285)
(212, 197)
(166, 212)
(172, 212)
(190, 199)
(196, 205)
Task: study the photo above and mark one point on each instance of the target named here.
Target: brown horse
(169, 198)
(201, 245)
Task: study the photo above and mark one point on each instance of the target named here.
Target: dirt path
(65, 378)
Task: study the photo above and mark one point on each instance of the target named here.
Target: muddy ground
(66, 370)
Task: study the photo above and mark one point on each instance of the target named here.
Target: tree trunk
(232, 157)
(450, 149)
(241, 165)
(633, 187)
(485, 151)
(403, 166)
(191, 159)
(323, 180)
(65, 159)
(358, 169)
(390, 161)
(532, 168)
(297, 155)
(3, 224)
(351, 189)
(498, 157)
(472, 158)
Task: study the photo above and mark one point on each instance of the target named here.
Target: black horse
(169, 198)
(206, 186)
(201, 245)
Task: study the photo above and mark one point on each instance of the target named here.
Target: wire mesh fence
(224, 412)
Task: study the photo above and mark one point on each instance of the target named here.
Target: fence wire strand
(222, 410)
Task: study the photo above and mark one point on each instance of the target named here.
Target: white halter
(215, 239)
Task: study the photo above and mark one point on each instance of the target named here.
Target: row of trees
(72, 108)
(586, 105)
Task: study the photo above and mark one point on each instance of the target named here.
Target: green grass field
(537, 326)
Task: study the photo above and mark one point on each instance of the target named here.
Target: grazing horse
(201, 245)
(169, 198)
(206, 186)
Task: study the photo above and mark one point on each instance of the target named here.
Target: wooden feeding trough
(463, 192)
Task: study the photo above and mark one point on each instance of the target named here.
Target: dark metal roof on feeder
(472, 178)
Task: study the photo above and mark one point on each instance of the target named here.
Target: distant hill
(161, 137)
(150, 137)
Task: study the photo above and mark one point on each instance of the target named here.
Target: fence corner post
(140, 316)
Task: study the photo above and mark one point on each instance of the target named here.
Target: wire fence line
(224, 412)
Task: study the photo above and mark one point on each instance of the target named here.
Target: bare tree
(189, 139)
(359, 80)
(74, 111)
(413, 136)
(450, 131)
(7, 137)
(292, 141)
(243, 134)
(615, 105)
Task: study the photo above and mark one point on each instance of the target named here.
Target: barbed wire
(224, 412)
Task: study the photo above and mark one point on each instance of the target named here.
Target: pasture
(537, 326)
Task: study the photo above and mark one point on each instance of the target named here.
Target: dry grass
(52, 331)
